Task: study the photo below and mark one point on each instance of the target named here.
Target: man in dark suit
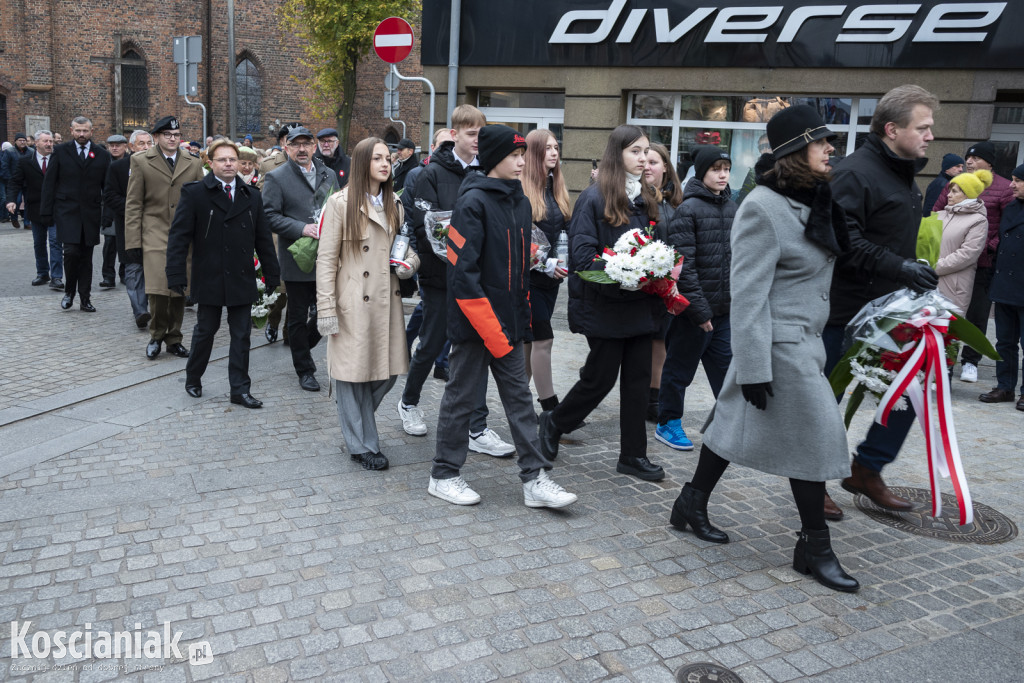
(72, 200)
(27, 179)
(332, 156)
(222, 219)
(293, 194)
(115, 193)
(117, 145)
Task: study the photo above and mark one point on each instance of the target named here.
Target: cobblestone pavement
(124, 502)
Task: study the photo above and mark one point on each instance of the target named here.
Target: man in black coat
(222, 220)
(27, 177)
(405, 161)
(115, 192)
(73, 200)
(330, 155)
(952, 166)
(875, 187)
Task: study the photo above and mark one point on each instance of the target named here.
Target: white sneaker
(969, 372)
(542, 492)
(454, 490)
(412, 419)
(491, 444)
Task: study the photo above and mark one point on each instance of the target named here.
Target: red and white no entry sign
(392, 41)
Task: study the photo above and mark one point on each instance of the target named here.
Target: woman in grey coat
(776, 412)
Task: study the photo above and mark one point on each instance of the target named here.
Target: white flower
(624, 269)
(657, 258)
(260, 285)
(627, 242)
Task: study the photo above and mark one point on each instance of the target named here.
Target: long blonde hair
(535, 176)
(358, 187)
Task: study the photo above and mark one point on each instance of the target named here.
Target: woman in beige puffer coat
(964, 231)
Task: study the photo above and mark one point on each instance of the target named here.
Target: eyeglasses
(168, 134)
(302, 145)
(224, 160)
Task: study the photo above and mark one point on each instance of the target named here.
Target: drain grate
(989, 526)
(706, 673)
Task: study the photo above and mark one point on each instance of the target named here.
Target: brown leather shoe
(832, 511)
(997, 395)
(864, 481)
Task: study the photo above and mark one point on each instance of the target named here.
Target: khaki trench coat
(149, 209)
(359, 288)
(964, 232)
(274, 161)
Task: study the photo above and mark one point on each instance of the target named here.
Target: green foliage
(335, 35)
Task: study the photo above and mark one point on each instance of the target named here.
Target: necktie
(44, 165)
(81, 152)
(170, 162)
(227, 188)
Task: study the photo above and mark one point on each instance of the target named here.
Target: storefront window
(737, 123)
(521, 99)
(524, 110)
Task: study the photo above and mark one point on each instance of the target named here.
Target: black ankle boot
(691, 507)
(652, 404)
(549, 436)
(813, 555)
(549, 403)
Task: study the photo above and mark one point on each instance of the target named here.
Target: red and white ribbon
(943, 452)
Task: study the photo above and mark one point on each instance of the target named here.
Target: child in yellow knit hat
(964, 231)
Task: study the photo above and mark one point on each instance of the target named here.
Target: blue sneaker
(673, 436)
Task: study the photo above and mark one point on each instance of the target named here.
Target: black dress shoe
(142, 320)
(14, 222)
(997, 395)
(441, 373)
(372, 461)
(247, 401)
(177, 350)
(152, 349)
(41, 280)
(270, 333)
(641, 468)
(66, 302)
(194, 390)
(57, 283)
(309, 383)
(107, 284)
(87, 307)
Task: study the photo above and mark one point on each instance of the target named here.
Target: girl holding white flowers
(358, 302)
(618, 321)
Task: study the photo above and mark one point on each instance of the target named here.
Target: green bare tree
(335, 35)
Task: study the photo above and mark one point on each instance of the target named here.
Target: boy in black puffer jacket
(488, 319)
(700, 229)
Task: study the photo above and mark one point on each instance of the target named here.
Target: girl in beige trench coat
(358, 303)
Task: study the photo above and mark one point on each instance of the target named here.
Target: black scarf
(826, 226)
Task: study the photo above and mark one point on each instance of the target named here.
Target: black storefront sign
(731, 33)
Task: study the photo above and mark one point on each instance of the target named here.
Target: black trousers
(108, 269)
(302, 332)
(606, 358)
(978, 310)
(78, 270)
(207, 324)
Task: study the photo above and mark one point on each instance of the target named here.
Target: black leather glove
(133, 256)
(272, 285)
(180, 289)
(757, 394)
(918, 276)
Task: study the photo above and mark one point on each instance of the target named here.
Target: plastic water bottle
(400, 247)
(562, 250)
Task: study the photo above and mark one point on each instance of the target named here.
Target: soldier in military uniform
(154, 186)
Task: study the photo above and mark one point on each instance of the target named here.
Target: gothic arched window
(134, 93)
(248, 97)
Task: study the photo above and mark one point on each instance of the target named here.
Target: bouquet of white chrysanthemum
(637, 261)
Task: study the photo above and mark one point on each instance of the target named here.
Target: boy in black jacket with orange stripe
(488, 318)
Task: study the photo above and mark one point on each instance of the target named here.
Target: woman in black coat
(544, 186)
(618, 323)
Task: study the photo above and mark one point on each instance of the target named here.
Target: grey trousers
(467, 367)
(357, 403)
(135, 283)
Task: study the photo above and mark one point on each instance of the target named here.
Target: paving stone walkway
(123, 502)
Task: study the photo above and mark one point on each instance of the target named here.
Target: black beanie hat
(983, 150)
(704, 157)
(1018, 172)
(495, 143)
(951, 160)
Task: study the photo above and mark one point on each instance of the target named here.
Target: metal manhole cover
(989, 527)
(706, 673)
